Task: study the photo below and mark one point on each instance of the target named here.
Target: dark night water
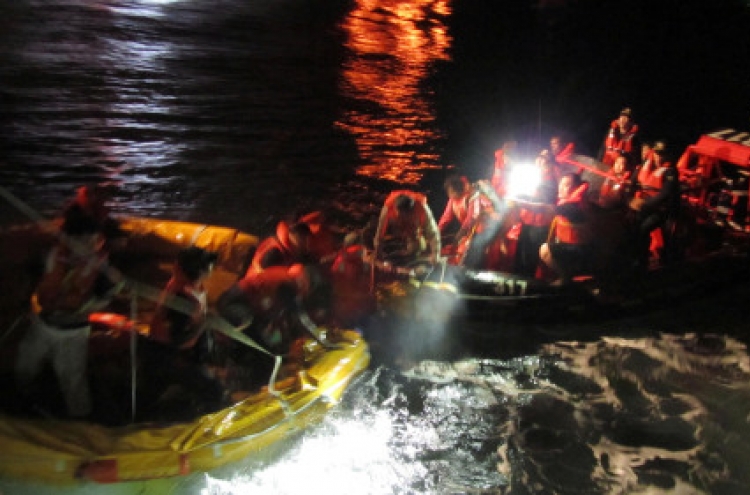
(243, 112)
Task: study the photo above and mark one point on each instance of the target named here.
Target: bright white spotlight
(523, 180)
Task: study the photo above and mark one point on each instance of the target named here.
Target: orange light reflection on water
(394, 45)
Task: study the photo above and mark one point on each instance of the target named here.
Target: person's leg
(69, 360)
(32, 351)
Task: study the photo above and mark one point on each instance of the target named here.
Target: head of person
(456, 186)
(91, 197)
(82, 232)
(504, 153)
(299, 236)
(659, 152)
(625, 117)
(620, 166)
(404, 205)
(196, 263)
(569, 182)
(556, 144)
(646, 151)
(295, 238)
(544, 159)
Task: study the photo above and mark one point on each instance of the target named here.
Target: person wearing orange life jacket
(621, 138)
(568, 247)
(617, 188)
(503, 159)
(76, 282)
(658, 204)
(275, 304)
(535, 214)
(464, 207)
(290, 245)
(407, 219)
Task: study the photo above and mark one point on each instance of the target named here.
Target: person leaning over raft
(406, 217)
(174, 351)
(462, 208)
(274, 309)
(290, 245)
(76, 282)
(181, 311)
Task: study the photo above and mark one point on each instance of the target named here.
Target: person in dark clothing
(657, 207)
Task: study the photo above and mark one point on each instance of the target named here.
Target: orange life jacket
(618, 142)
(279, 243)
(567, 230)
(68, 281)
(652, 182)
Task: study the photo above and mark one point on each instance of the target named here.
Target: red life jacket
(572, 231)
(280, 244)
(323, 243)
(652, 182)
(618, 142)
(613, 189)
(68, 281)
(539, 216)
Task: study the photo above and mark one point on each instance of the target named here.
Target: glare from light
(523, 180)
(346, 457)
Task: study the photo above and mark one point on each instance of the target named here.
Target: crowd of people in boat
(622, 213)
(548, 230)
(307, 275)
(298, 279)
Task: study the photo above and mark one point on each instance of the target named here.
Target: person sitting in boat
(175, 351)
(503, 160)
(561, 151)
(657, 206)
(290, 245)
(463, 208)
(621, 138)
(616, 190)
(76, 282)
(535, 211)
(407, 222)
(568, 247)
